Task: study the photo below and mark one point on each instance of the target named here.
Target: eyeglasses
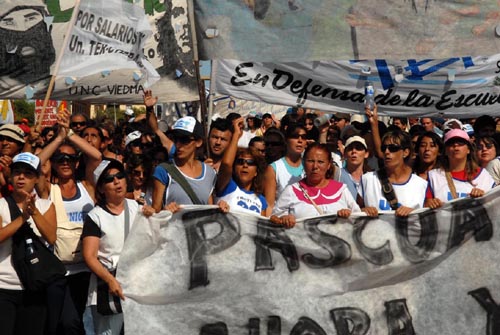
(355, 146)
(111, 177)
(242, 161)
(485, 146)
(183, 139)
(76, 124)
(297, 136)
(391, 147)
(137, 144)
(454, 142)
(61, 158)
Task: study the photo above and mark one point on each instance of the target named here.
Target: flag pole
(56, 67)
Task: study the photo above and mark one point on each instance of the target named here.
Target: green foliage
(24, 109)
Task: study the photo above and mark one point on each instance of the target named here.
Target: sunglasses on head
(61, 158)
(242, 161)
(485, 146)
(111, 177)
(391, 147)
(183, 139)
(297, 136)
(76, 124)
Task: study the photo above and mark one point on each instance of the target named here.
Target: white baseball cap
(135, 135)
(26, 158)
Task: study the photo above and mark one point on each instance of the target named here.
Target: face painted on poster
(26, 46)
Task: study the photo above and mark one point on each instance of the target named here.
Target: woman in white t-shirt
(460, 176)
(23, 312)
(104, 233)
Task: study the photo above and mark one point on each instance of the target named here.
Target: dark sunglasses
(391, 147)
(356, 146)
(485, 146)
(183, 139)
(111, 177)
(242, 161)
(460, 142)
(75, 124)
(61, 158)
(137, 144)
(297, 136)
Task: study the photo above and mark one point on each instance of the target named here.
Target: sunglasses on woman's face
(61, 158)
(484, 146)
(391, 147)
(78, 124)
(297, 136)
(111, 177)
(242, 161)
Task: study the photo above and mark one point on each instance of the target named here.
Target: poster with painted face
(31, 39)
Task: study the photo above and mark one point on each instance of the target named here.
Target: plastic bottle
(30, 252)
(321, 120)
(369, 95)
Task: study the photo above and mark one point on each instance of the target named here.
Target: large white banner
(203, 272)
(32, 34)
(311, 30)
(459, 86)
(108, 35)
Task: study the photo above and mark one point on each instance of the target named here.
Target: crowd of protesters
(95, 178)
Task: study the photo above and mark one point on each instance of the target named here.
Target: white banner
(461, 87)
(108, 35)
(203, 272)
(29, 49)
(308, 30)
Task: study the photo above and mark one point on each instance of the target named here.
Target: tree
(24, 109)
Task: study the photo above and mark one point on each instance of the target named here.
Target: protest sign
(204, 272)
(459, 86)
(28, 53)
(50, 115)
(108, 35)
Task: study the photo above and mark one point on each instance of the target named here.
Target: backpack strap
(387, 189)
(174, 172)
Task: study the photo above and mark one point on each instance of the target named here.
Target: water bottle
(321, 120)
(30, 252)
(369, 95)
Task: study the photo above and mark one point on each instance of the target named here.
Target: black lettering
(307, 326)
(338, 249)
(199, 245)
(270, 236)
(276, 79)
(273, 326)
(445, 103)
(484, 298)
(218, 328)
(428, 236)
(399, 320)
(379, 256)
(350, 321)
(469, 216)
(241, 74)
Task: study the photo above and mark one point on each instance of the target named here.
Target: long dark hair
(258, 181)
(436, 139)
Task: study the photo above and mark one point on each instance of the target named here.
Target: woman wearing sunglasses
(317, 193)
(408, 189)
(288, 169)
(486, 150)
(73, 199)
(460, 176)
(241, 176)
(104, 233)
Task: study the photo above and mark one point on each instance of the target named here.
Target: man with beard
(26, 47)
(219, 138)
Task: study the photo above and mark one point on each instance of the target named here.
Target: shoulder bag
(35, 271)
